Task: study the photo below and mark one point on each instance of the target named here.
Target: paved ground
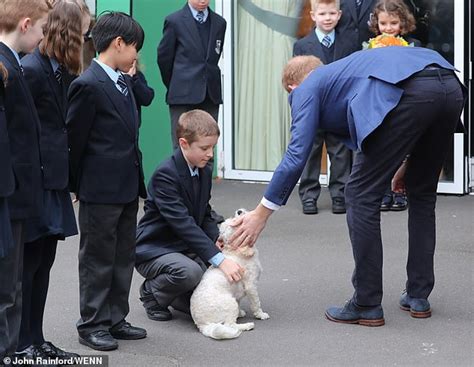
(307, 265)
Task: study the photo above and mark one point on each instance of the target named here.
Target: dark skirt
(6, 238)
(57, 217)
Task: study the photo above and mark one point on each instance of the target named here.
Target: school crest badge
(218, 46)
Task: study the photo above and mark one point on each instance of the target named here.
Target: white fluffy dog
(215, 301)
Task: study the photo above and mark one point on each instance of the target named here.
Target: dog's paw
(242, 313)
(261, 315)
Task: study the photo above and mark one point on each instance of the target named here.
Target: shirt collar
(194, 12)
(54, 64)
(114, 75)
(17, 57)
(193, 172)
(321, 35)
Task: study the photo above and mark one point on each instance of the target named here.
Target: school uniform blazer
(7, 181)
(310, 45)
(23, 129)
(51, 103)
(105, 161)
(173, 220)
(355, 28)
(187, 70)
(142, 92)
(350, 98)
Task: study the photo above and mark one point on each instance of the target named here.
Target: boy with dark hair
(21, 29)
(177, 236)
(107, 178)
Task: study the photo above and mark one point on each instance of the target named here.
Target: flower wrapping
(385, 40)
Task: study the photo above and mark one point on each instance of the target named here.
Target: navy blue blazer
(349, 98)
(51, 103)
(188, 71)
(310, 45)
(105, 161)
(23, 128)
(142, 92)
(174, 221)
(355, 28)
(7, 181)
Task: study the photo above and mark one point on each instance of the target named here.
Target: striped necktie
(326, 41)
(123, 85)
(200, 17)
(58, 74)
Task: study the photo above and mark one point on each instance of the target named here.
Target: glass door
(255, 114)
(440, 26)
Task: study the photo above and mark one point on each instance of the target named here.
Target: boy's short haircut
(315, 3)
(111, 25)
(297, 69)
(63, 37)
(12, 11)
(196, 124)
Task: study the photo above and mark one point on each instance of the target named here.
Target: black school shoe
(386, 203)
(154, 311)
(310, 207)
(400, 202)
(338, 206)
(125, 331)
(51, 351)
(99, 340)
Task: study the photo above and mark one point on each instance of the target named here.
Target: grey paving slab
(307, 265)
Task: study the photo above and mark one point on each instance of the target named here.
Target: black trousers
(172, 278)
(340, 157)
(11, 272)
(106, 261)
(422, 125)
(177, 110)
(37, 262)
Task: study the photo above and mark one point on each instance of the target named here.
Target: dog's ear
(246, 251)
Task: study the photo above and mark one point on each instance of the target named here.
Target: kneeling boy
(177, 235)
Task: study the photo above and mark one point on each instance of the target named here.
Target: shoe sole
(87, 344)
(310, 212)
(135, 337)
(363, 322)
(159, 318)
(417, 314)
(392, 209)
(339, 211)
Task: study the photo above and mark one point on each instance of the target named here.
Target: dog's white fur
(215, 301)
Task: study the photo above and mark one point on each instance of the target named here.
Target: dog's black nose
(240, 212)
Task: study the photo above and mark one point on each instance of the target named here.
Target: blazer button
(64, 130)
(136, 163)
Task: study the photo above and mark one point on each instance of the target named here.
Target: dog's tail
(220, 331)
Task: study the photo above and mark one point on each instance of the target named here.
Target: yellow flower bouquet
(385, 40)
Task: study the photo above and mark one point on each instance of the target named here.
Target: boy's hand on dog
(249, 226)
(232, 270)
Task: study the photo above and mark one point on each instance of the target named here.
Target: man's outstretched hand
(249, 226)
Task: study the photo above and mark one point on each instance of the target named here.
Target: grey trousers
(177, 110)
(340, 157)
(11, 272)
(172, 278)
(106, 260)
